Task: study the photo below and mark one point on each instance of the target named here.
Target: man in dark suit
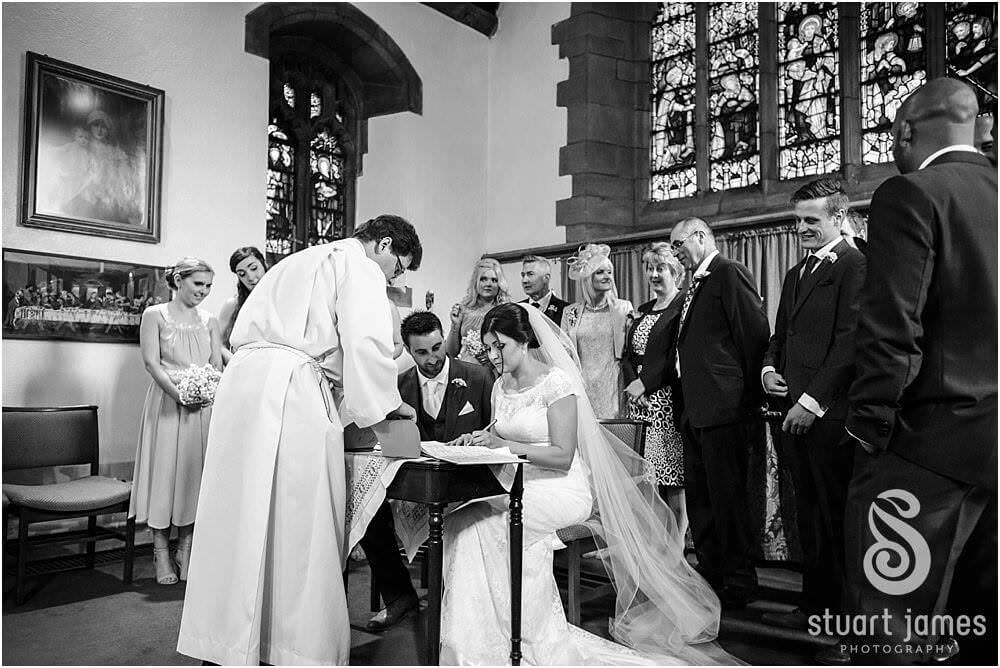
(536, 272)
(923, 407)
(722, 335)
(808, 368)
(451, 398)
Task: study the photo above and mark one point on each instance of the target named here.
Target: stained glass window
(672, 170)
(280, 193)
(310, 153)
(326, 171)
(808, 89)
(733, 91)
(893, 65)
(972, 49)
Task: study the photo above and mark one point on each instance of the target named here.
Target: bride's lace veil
(663, 606)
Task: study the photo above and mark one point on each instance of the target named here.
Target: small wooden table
(436, 484)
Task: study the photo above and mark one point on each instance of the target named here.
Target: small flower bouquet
(197, 384)
(472, 345)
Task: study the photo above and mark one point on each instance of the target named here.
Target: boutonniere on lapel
(698, 279)
(551, 308)
(459, 382)
(831, 257)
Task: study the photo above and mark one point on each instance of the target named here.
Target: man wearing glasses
(721, 339)
(314, 353)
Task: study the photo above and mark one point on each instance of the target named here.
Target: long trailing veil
(663, 608)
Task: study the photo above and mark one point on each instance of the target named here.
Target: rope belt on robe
(321, 377)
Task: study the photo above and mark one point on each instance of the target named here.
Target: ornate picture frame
(92, 152)
(48, 296)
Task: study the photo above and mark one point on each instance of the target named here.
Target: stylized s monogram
(910, 571)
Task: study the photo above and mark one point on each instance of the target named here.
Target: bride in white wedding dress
(665, 612)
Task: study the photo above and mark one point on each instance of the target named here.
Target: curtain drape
(767, 251)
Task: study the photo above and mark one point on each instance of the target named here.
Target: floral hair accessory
(587, 259)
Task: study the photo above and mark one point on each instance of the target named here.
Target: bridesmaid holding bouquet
(177, 340)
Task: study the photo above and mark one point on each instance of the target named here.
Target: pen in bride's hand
(490, 424)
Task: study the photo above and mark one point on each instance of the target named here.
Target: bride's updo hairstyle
(185, 267)
(510, 320)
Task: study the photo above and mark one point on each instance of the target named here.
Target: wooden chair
(60, 436)
(579, 538)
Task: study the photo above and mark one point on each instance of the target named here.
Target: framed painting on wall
(92, 152)
(48, 296)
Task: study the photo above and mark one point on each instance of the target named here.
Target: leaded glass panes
(808, 89)
(733, 90)
(893, 65)
(311, 156)
(326, 204)
(672, 170)
(280, 200)
(972, 49)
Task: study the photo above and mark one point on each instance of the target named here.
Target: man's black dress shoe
(834, 655)
(734, 598)
(796, 619)
(393, 613)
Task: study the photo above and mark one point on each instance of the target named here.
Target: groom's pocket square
(466, 409)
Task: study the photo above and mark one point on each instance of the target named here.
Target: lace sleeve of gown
(557, 385)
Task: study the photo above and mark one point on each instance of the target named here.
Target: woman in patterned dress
(487, 288)
(649, 370)
(596, 326)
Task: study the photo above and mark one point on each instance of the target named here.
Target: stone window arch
(332, 68)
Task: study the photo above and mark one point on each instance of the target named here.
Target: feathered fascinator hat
(587, 260)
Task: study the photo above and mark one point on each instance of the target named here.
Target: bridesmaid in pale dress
(487, 288)
(596, 325)
(249, 265)
(172, 435)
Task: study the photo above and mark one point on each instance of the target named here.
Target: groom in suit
(452, 398)
(923, 407)
(808, 368)
(722, 335)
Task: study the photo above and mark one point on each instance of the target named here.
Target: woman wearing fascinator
(577, 471)
(596, 325)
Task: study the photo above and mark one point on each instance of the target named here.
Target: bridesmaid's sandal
(165, 574)
(183, 558)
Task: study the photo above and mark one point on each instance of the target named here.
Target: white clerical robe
(265, 581)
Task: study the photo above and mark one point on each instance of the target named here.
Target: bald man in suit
(923, 406)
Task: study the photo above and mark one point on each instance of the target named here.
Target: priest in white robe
(313, 353)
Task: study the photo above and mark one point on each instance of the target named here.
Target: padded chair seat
(81, 494)
(580, 531)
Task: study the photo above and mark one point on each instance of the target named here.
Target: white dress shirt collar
(543, 303)
(827, 249)
(961, 148)
(702, 269)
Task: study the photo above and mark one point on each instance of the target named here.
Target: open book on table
(468, 454)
